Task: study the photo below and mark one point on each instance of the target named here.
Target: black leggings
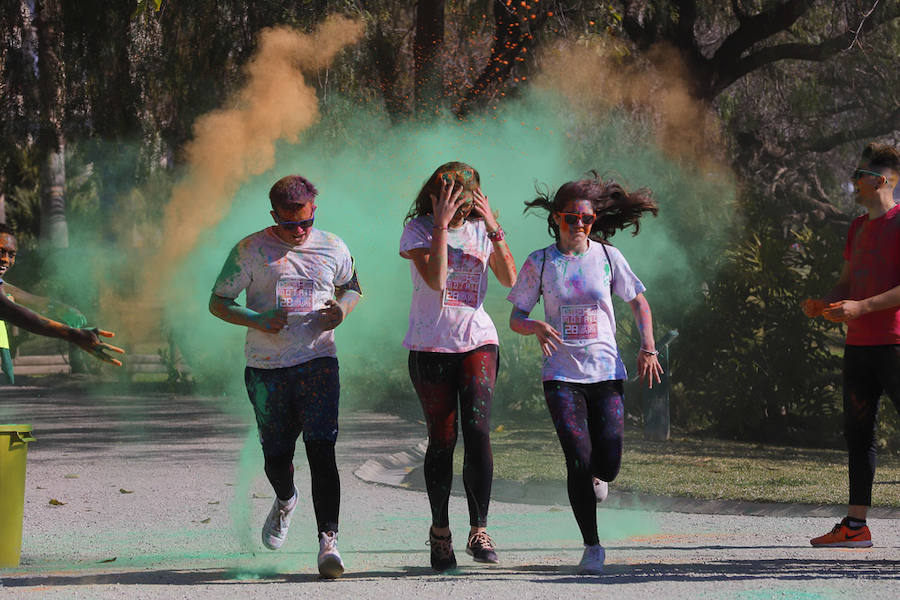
(324, 481)
(290, 400)
(449, 384)
(868, 371)
(589, 421)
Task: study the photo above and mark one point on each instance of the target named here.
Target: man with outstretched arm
(15, 314)
(71, 316)
(88, 339)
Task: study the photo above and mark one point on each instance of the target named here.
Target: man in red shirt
(867, 298)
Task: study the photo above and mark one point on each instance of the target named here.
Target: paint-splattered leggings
(449, 384)
(590, 424)
(868, 371)
(290, 400)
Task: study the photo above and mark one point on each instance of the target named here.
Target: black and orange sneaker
(842, 536)
(481, 547)
(442, 555)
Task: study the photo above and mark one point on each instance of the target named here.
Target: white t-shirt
(578, 304)
(453, 320)
(299, 278)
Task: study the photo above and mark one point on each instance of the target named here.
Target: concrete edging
(404, 470)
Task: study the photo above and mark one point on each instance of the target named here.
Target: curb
(394, 469)
(404, 470)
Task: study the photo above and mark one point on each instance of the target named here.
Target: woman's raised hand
(445, 207)
(484, 209)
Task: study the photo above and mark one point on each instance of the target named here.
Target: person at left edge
(88, 339)
(69, 315)
(300, 284)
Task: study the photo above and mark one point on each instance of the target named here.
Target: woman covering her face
(451, 237)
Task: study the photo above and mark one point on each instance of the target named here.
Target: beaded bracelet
(496, 236)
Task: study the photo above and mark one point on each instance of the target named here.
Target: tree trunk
(515, 26)
(2, 199)
(384, 53)
(54, 233)
(54, 229)
(429, 85)
(51, 90)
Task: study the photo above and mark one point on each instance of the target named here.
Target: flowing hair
(422, 204)
(616, 209)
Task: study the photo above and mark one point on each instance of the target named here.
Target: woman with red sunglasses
(451, 237)
(583, 373)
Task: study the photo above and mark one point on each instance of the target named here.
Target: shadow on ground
(788, 569)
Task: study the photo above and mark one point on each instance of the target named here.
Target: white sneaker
(592, 560)
(601, 489)
(330, 564)
(275, 529)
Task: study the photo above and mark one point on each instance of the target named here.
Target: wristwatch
(496, 236)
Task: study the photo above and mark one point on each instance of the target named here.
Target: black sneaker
(442, 556)
(481, 547)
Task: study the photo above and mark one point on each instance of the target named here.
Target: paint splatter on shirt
(578, 304)
(452, 320)
(297, 278)
(873, 251)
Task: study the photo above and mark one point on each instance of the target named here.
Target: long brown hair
(422, 205)
(615, 208)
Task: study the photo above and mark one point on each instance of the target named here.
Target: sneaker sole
(586, 571)
(862, 544)
(268, 544)
(331, 568)
(481, 560)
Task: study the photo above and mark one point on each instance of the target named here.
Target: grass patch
(699, 468)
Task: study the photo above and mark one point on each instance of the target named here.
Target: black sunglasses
(291, 225)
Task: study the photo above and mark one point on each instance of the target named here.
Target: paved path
(164, 496)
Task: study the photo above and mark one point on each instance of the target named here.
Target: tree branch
(859, 29)
(825, 210)
(890, 124)
(796, 51)
(759, 27)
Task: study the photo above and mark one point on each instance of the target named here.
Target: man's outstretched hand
(89, 341)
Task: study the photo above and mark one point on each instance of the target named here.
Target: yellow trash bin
(13, 448)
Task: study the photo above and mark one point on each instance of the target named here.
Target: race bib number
(463, 289)
(580, 322)
(295, 294)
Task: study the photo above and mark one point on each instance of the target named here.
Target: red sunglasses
(573, 218)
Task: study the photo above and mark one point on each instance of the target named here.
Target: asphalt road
(163, 496)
